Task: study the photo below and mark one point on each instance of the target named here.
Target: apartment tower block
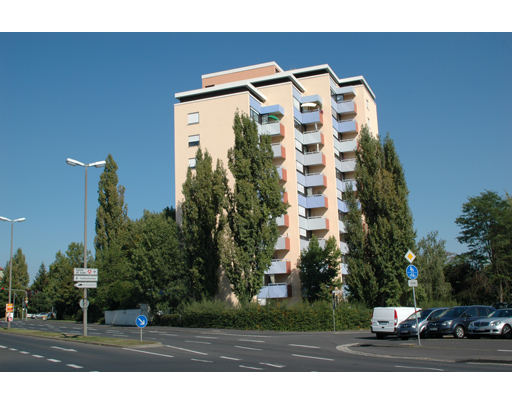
(314, 119)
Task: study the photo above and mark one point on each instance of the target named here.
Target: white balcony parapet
(349, 145)
(344, 248)
(279, 267)
(274, 290)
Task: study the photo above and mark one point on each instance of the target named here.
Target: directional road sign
(85, 272)
(86, 285)
(412, 272)
(141, 321)
(85, 278)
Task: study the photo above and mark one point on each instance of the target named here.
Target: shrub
(275, 316)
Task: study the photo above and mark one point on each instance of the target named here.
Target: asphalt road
(213, 350)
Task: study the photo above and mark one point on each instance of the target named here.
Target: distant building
(314, 118)
(1, 273)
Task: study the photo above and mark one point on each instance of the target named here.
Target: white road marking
(202, 361)
(421, 368)
(203, 337)
(73, 366)
(167, 334)
(3, 347)
(24, 352)
(193, 341)
(12, 349)
(38, 356)
(229, 358)
(54, 360)
(309, 347)
(505, 350)
(252, 368)
(311, 357)
(249, 340)
(247, 348)
(142, 351)
(273, 365)
(186, 350)
(62, 348)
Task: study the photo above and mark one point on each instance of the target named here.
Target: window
(192, 163)
(193, 140)
(193, 118)
(256, 116)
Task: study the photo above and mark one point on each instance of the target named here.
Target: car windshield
(501, 313)
(438, 313)
(455, 312)
(420, 314)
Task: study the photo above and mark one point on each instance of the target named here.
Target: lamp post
(12, 221)
(73, 162)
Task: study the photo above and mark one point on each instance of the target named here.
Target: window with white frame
(193, 118)
(193, 140)
(192, 163)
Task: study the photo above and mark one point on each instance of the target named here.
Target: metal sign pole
(416, 313)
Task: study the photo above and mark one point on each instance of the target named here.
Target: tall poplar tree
(114, 281)
(379, 225)
(253, 206)
(203, 219)
(20, 276)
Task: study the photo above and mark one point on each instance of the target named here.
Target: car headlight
(446, 323)
(495, 323)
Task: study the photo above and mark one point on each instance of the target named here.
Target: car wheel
(458, 332)
(506, 333)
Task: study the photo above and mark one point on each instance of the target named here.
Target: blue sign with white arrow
(141, 321)
(412, 272)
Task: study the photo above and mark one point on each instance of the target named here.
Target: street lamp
(12, 221)
(73, 162)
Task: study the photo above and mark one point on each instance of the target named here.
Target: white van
(385, 320)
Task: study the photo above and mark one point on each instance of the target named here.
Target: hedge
(276, 316)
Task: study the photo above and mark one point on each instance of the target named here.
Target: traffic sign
(84, 303)
(85, 272)
(413, 283)
(410, 256)
(412, 272)
(85, 278)
(86, 285)
(141, 321)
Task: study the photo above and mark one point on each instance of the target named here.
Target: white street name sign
(413, 283)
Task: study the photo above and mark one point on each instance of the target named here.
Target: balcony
(342, 185)
(342, 206)
(347, 146)
(279, 151)
(272, 129)
(344, 269)
(348, 106)
(304, 244)
(314, 223)
(310, 137)
(279, 267)
(343, 248)
(283, 174)
(283, 243)
(346, 165)
(276, 290)
(283, 220)
(341, 225)
(345, 125)
(315, 179)
(314, 158)
(312, 117)
(313, 201)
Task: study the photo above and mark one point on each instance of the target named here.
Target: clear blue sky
(443, 97)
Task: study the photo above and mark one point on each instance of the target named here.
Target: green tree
(64, 296)
(486, 227)
(379, 225)
(20, 278)
(39, 299)
(202, 222)
(115, 288)
(253, 206)
(431, 261)
(319, 268)
(157, 260)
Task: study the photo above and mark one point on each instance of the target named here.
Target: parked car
(499, 323)
(41, 315)
(407, 328)
(456, 320)
(385, 320)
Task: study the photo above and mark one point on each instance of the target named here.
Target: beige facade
(314, 119)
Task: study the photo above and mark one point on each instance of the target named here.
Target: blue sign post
(141, 322)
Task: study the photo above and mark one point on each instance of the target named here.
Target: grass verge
(99, 340)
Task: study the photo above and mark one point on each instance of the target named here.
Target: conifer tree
(114, 281)
(379, 225)
(202, 221)
(253, 206)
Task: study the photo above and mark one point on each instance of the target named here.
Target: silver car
(407, 328)
(499, 323)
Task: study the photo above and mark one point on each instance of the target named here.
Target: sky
(444, 98)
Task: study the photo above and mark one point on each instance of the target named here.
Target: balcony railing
(315, 179)
(271, 128)
(313, 201)
(283, 174)
(314, 158)
(283, 243)
(283, 220)
(276, 290)
(279, 150)
(279, 267)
